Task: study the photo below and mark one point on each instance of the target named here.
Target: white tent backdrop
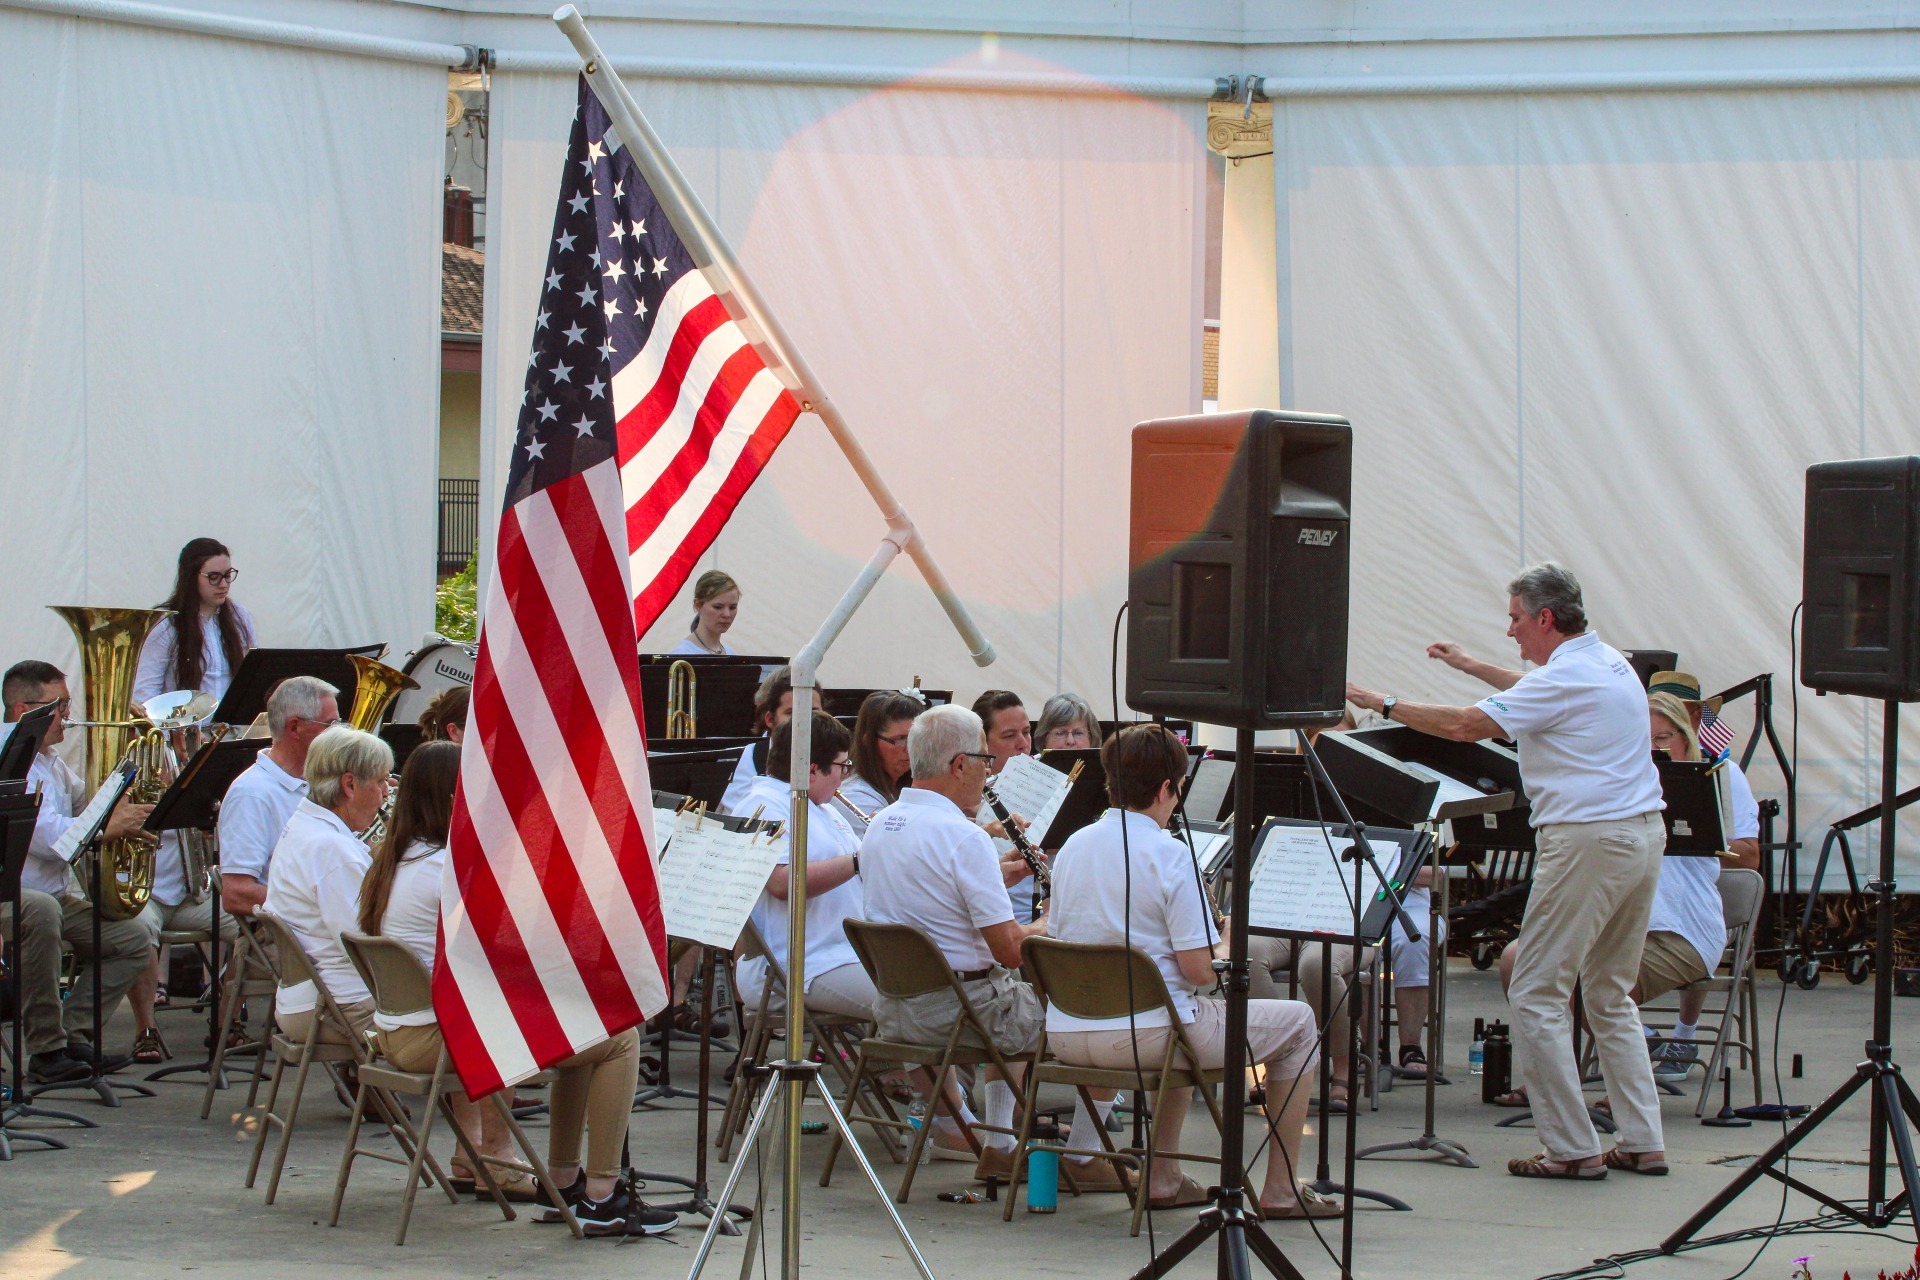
(221, 284)
(994, 288)
(1610, 330)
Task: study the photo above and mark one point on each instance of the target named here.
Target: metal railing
(459, 525)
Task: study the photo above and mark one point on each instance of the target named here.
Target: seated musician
(258, 804)
(716, 602)
(1009, 734)
(879, 756)
(400, 897)
(772, 707)
(1067, 723)
(1674, 1054)
(925, 863)
(313, 882)
(1686, 932)
(445, 718)
(59, 1039)
(1124, 879)
(835, 980)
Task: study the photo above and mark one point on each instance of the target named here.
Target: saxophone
(110, 641)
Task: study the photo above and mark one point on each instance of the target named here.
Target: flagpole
(689, 214)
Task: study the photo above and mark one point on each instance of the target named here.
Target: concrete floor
(156, 1192)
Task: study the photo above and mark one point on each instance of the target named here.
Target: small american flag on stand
(646, 415)
(1716, 737)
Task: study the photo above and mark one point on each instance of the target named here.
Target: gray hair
(297, 697)
(1551, 586)
(938, 735)
(1063, 709)
(340, 751)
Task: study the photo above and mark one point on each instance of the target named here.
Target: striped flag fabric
(645, 416)
(1716, 736)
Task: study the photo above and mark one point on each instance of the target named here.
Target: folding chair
(1734, 1025)
(904, 963)
(294, 966)
(252, 975)
(401, 985)
(835, 1035)
(1086, 980)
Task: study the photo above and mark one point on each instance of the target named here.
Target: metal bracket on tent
(478, 58)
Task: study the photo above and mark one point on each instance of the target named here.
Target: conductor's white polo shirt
(1580, 722)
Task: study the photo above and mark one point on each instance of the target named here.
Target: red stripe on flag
(479, 1073)
(656, 406)
(646, 510)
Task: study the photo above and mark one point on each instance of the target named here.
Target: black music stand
(192, 803)
(17, 812)
(1425, 781)
(724, 688)
(695, 767)
(20, 746)
(262, 669)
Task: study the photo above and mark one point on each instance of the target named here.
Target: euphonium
(683, 688)
(375, 687)
(110, 641)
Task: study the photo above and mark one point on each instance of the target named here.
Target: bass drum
(436, 668)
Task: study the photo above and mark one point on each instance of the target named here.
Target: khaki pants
(1586, 923)
(410, 1048)
(847, 991)
(294, 1026)
(1270, 959)
(125, 946)
(1280, 1036)
(186, 917)
(596, 1087)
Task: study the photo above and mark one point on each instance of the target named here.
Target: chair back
(399, 982)
(1742, 895)
(901, 960)
(1092, 980)
(753, 946)
(291, 965)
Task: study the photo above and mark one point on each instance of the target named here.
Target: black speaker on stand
(1862, 636)
(1237, 615)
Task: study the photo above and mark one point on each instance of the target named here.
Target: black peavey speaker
(1237, 588)
(1858, 579)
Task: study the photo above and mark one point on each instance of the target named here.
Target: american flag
(1716, 738)
(645, 416)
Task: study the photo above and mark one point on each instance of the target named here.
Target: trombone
(683, 688)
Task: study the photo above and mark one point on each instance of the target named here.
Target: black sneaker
(56, 1067)
(622, 1213)
(572, 1195)
(102, 1063)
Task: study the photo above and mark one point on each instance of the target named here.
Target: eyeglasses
(838, 766)
(984, 757)
(221, 579)
(64, 705)
(896, 740)
(323, 725)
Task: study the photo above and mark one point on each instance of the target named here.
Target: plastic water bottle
(917, 1114)
(1477, 1051)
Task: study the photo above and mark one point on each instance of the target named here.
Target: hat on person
(1682, 686)
(1674, 710)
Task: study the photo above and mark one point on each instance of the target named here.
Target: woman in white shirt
(716, 602)
(1125, 880)
(878, 755)
(201, 645)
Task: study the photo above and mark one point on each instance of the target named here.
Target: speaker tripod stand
(1893, 1104)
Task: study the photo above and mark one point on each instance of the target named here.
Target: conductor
(1579, 719)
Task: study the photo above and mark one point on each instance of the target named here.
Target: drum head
(437, 667)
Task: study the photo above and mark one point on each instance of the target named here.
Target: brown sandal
(1635, 1162)
(1514, 1098)
(1310, 1204)
(149, 1049)
(1544, 1166)
(1190, 1193)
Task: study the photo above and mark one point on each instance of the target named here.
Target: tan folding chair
(1733, 1025)
(835, 1035)
(904, 963)
(1087, 980)
(401, 985)
(250, 976)
(294, 966)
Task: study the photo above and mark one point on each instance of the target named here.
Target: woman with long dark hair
(201, 645)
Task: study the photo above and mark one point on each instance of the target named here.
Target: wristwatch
(1387, 704)
(856, 864)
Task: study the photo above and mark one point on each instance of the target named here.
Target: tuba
(110, 642)
(682, 693)
(181, 716)
(375, 687)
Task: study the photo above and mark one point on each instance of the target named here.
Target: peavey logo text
(1318, 537)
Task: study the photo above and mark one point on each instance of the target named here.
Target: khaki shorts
(1280, 1034)
(1007, 1007)
(1668, 963)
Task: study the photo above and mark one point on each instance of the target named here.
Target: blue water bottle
(1043, 1181)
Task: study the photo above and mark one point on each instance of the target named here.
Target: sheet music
(1207, 793)
(81, 829)
(1300, 886)
(1209, 851)
(1034, 791)
(1452, 790)
(711, 879)
(664, 821)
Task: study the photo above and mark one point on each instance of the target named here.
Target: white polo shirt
(62, 793)
(924, 863)
(828, 836)
(1158, 908)
(1687, 899)
(254, 813)
(1580, 722)
(734, 799)
(314, 886)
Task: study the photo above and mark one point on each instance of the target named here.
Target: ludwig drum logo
(1318, 537)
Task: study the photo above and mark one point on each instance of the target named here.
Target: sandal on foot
(1513, 1098)
(1311, 1204)
(1635, 1162)
(1542, 1166)
(1190, 1193)
(149, 1049)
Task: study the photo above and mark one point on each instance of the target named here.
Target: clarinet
(1036, 863)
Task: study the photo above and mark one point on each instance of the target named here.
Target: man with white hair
(313, 883)
(260, 801)
(924, 863)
